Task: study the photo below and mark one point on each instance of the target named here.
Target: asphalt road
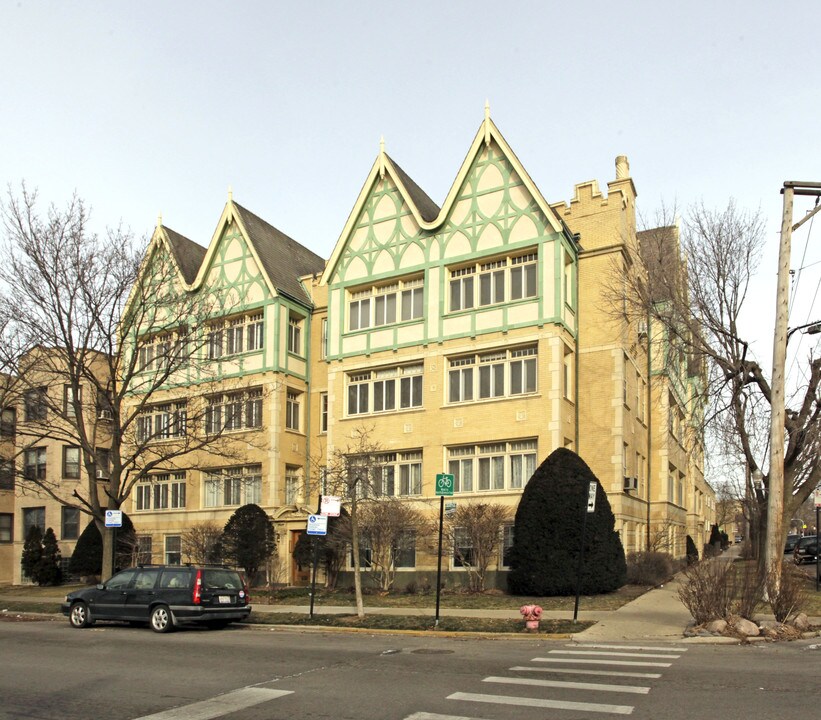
(48, 670)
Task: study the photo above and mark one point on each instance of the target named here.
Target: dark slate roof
(282, 257)
(428, 209)
(187, 253)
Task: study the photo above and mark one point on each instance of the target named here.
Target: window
(71, 462)
(70, 523)
(568, 367)
(6, 527)
(404, 554)
(173, 549)
(523, 277)
(233, 486)
(6, 474)
(69, 400)
(568, 280)
(359, 310)
(461, 289)
(162, 422)
(234, 336)
(492, 466)
(462, 548)
(34, 402)
(295, 335)
(323, 346)
(292, 484)
(102, 462)
(385, 389)
(255, 332)
(155, 352)
(214, 342)
(163, 491)
(34, 517)
(381, 305)
(323, 412)
(401, 473)
(499, 280)
(292, 400)
(500, 374)
(35, 464)
(144, 543)
(385, 305)
(8, 422)
(412, 299)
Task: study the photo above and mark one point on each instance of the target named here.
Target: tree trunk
(107, 535)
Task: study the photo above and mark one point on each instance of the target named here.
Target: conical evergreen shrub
(87, 558)
(48, 571)
(547, 533)
(32, 552)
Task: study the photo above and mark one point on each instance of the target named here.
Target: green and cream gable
(396, 237)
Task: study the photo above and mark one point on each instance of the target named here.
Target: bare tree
(354, 472)
(474, 534)
(95, 332)
(695, 290)
(390, 527)
(200, 543)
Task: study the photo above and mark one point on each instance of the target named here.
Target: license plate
(224, 599)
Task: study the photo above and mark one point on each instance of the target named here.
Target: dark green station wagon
(164, 597)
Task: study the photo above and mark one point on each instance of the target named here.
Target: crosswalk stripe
(579, 671)
(600, 687)
(584, 661)
(613, 654)
(629, 647)
(230, 702)
(542, 703)
(437, 716)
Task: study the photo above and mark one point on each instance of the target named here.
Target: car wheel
(80, 616)
(161, 620)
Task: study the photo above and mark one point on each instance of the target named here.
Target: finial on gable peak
(382, 156)
(230, 194)
(487, 122)
(159, 219)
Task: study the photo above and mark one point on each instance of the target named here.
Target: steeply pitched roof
(282, 257)
(428, 209)
(187, 253)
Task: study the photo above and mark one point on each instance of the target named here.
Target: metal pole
(439, 559)
(315, 543)
(579, 567)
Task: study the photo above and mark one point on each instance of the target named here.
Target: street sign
(331, 505)
(450, 508)
(444, 484)
(113, 518)
(591, 497)
(818, 498)
(317, 524)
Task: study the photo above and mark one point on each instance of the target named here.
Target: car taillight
(246, 593)
(198, 588)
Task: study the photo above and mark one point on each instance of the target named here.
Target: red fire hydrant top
(530, 612)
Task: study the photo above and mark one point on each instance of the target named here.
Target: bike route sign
(444, 484)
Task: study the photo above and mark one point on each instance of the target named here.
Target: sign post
(317, 525)
(444, 487)
(591, 508)
(113, 520)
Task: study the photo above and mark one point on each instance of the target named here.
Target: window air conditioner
(642, 328)
(631, 483)
(104, 415)
(102, 475)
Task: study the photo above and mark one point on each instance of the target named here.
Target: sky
(147, 108)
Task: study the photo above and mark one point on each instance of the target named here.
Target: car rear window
(174, 579)
(216, 579)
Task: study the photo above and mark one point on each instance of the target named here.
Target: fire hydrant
(531, 614)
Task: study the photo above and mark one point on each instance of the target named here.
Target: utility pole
(773, 549)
